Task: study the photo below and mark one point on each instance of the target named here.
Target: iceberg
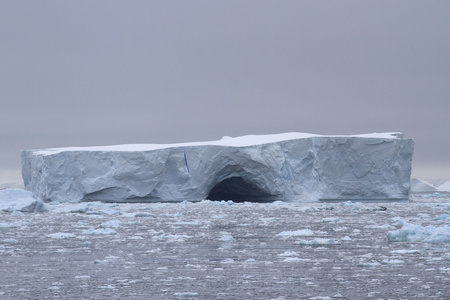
(445, 187)
(296, 167)
(418, 185)
(19, 200)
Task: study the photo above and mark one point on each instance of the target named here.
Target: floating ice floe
(185, 295)
(9, 225)
(226, 238)
(406, 251)
(61, 235)
(393, 261)
(369, 264)
(317, 242)
(417, 233)
(442, 217)
(295, 259)
(288, 254)
(290, 234)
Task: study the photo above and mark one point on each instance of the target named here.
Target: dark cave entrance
(238, 189)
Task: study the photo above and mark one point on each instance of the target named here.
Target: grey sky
(78, 73)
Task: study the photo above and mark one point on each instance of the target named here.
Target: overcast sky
(79, 73)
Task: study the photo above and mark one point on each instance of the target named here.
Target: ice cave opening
(237, 189)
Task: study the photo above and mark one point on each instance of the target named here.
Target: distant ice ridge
(418, 185)
(290, 167)
(444, 187)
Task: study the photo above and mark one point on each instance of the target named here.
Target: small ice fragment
(106, 287)
(227, 261)
(405, 251)
(226, 238)
(185, 295)
(316, 242)
(368, 264)
(393, 261)
(295, 259)
(442, 217)
(330, 220)
(61, 235)
(290, 234)
(9, 225)
(288, 254)
(10, 241)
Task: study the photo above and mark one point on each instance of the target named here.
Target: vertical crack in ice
(185, 160)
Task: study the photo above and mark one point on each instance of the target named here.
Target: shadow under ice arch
(239, 189)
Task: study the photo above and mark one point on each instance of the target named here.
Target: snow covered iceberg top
(241, 141)
(289, 166)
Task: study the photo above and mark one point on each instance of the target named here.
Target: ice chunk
(406, 251)
(417, 233)
(288, 254)
(442, 217)
(290, 234)
(295, 259)
(20, 200)
(289, 167)
(61, 235)
(185, 295)
(393, 261)
(9, 225)
(317, 241)
(226, 238)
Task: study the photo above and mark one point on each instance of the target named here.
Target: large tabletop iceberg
(288, 167)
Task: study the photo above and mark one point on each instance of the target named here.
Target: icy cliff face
(290, 167)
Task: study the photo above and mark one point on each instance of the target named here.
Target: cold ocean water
(226, 250)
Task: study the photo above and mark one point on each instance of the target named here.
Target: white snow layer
(289, 167)
(242, 141)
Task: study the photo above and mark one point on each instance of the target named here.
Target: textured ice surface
(226, 250)
(20, 200)
(417, 233)
(293, 167)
